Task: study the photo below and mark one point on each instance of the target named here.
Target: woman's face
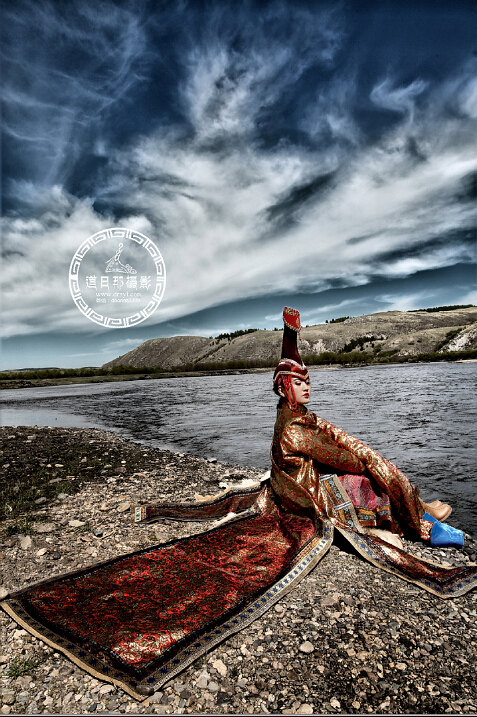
(301, 389)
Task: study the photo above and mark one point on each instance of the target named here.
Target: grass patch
(86, 528)
(26, 480)
(67, 487)
(31, 472)
(444, 356)
(358, 341)
(24, 526)
(22, 666)
(86, 372)
(330, 357)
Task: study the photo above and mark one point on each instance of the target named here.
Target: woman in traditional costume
(139, 619)
(306, 447)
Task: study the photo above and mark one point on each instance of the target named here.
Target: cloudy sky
(316, 154)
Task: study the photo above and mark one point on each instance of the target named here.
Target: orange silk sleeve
(311, 441)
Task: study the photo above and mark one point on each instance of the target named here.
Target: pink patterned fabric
(372, 506)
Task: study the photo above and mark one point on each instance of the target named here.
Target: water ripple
(420, 416)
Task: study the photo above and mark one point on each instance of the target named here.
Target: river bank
(353, 639)
(140, 375)
(6, 383)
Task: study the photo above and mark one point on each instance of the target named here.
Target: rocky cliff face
(466, 339)
(401, 332)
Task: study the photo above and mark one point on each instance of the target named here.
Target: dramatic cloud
(262, 170)
(400, 99)
(64, 67)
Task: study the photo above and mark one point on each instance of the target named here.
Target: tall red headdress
(290, 364)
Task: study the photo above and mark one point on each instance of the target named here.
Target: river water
(420, 416)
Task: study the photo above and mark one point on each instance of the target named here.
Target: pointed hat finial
(290, 362)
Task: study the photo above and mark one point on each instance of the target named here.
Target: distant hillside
(391, 333)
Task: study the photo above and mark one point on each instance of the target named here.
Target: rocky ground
(351, 639)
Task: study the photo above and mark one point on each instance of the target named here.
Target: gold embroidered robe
(306, 446)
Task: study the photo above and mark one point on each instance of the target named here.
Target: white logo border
(75, 291)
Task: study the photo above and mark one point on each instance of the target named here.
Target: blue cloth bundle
(443, 534)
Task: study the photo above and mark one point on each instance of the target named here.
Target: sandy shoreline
(351, 639)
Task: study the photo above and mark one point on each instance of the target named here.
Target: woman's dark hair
(279, 384)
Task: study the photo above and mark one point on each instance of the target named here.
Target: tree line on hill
(351, 358)
(346, 356)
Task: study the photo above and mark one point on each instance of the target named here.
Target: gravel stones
(123, 507)
(332, 600)
(45, 527)
(380, 645)
(203, 681)
(25, 542)
(8, 697)
(220, 667)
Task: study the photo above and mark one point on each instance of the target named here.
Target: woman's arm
(403, 494)
(310, 440)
